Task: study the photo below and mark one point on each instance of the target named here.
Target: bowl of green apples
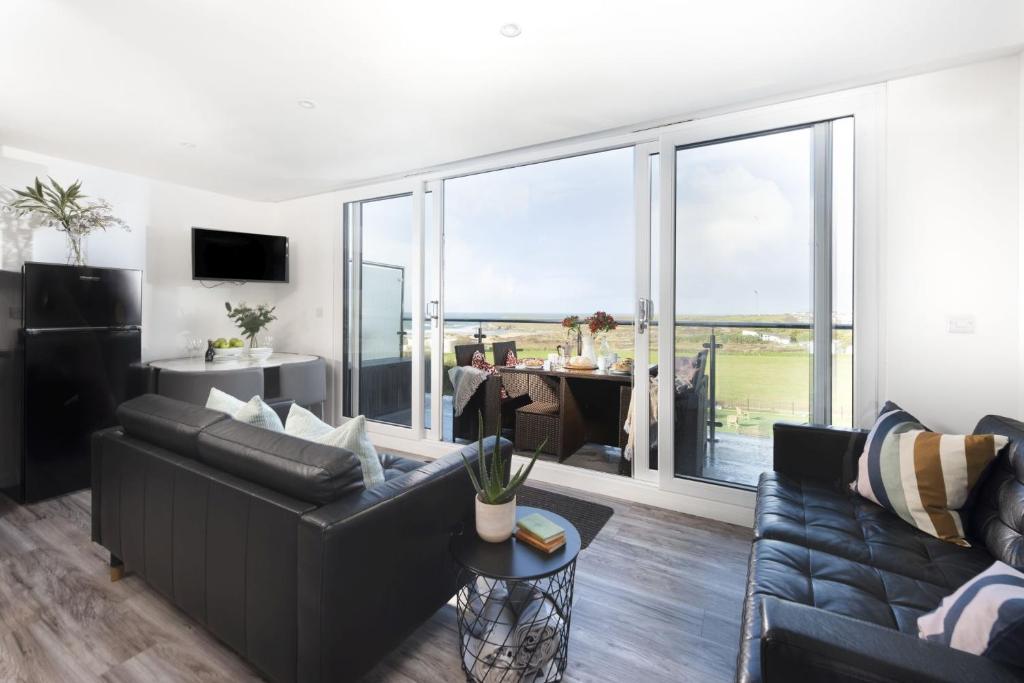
(228, 349)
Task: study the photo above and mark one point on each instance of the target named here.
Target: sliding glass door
(526, 248)
(760, 297)
(726, 261)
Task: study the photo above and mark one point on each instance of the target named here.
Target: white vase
(588, 348)
(495, 523)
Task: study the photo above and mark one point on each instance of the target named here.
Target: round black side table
(514, 606)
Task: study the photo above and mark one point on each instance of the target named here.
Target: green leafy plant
(251, 320)
(489, 485)
(67, 210)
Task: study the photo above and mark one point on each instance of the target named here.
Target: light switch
(319, 311)
(961, 324)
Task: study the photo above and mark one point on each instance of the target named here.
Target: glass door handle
(432, 311)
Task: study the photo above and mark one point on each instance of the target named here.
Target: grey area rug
(588, 518)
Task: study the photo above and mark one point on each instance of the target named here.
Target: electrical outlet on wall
(960, 324)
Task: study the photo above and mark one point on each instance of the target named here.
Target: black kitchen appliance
(64, 369)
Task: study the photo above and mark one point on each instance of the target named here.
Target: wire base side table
(515, 607)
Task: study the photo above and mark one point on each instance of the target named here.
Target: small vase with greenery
(251, 321)
(67, 210)
(495, 499)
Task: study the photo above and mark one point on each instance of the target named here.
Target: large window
(763, 292)
(726, 260)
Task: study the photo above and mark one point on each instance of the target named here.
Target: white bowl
(228, 353)
(260, 353)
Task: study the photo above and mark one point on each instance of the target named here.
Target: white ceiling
(406, 85)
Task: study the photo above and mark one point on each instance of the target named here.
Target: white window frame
(865, 104)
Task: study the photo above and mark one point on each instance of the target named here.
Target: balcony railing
(717, 332)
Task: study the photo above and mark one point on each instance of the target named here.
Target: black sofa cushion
(817, 516)
(302, 469)
(395, 466)
(808, 576)
(997, 518)
(165, 422)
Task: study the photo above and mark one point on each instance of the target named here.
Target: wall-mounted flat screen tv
(238, 256)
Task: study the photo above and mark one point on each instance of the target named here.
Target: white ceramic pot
(495, 523)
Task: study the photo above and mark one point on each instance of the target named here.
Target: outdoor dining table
(589, 404)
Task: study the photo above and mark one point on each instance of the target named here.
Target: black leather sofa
(272, 542)
(836, 583)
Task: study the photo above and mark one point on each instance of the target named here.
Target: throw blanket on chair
(465, 381)
(627, 452)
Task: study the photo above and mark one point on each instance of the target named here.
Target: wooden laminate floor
(658, 597)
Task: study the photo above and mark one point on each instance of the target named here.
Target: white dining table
(199, 364)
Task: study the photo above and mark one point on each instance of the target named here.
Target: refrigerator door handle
(51, 330)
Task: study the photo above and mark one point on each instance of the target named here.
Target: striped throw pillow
(923, 476)
(985, 616)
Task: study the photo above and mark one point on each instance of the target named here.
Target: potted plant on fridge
(66, 210)
(496, 500)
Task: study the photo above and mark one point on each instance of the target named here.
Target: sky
(557, 238)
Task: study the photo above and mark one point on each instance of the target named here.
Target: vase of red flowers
(600, 324)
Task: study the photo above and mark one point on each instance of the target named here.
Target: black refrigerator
(64, 370)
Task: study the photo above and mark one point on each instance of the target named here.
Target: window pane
(525, 247)
(385, 359)
(744, 249)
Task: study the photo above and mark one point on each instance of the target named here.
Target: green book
(540, 526)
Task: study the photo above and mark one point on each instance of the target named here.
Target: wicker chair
(690, 428)
(487, 401)
(538, 426)
(516, 383)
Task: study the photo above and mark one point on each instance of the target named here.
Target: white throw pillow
(225, 403)
(304, 424)
(351, 436)
(259, 414)
(255, 412)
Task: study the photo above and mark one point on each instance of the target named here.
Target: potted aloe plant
(496, 500)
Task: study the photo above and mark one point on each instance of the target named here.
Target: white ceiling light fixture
(184, 144)
(511, 30)
(307, 104)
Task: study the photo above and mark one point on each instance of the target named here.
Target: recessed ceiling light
(307, 104)
(511, 30)
(187, 145)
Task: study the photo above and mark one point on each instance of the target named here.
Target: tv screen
(238, 256)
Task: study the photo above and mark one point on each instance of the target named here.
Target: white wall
(950, 244)
(161, 216)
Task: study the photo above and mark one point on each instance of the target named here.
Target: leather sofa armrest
(803, 643)
(817, 452)
(377, 563)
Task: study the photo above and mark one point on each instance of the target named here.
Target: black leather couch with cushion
(836, 583)
(272, 542)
